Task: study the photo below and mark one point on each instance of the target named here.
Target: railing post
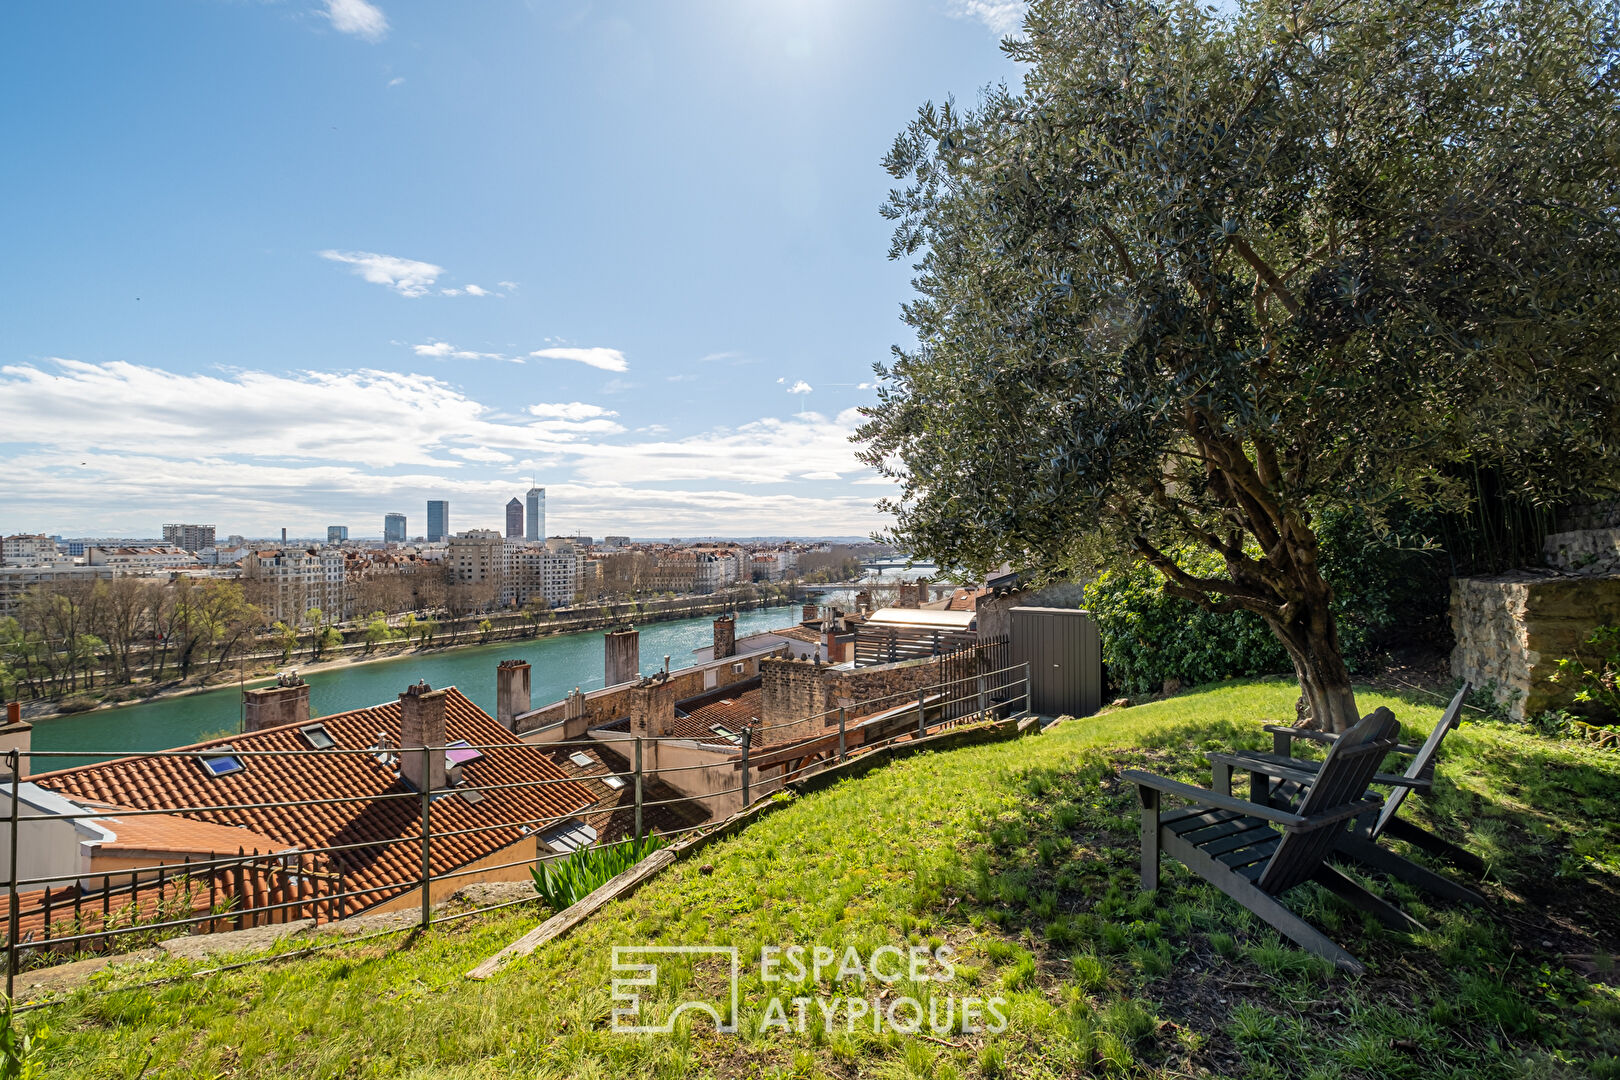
(1027, 688)
(922, 714)
(841, 751)
(638, 790)
(427, 833)
(982, 696)
(747, 739)
(13, 917)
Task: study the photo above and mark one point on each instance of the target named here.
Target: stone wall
(796, 689)
(1585, 551)
(612, 702)
(1513, 629)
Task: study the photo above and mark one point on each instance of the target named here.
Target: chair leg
(1434, 845)
(1149, 799)
(1245, 892)
(1371, 855)
(1386, 913)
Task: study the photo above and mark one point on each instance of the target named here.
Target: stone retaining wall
(1513, 629)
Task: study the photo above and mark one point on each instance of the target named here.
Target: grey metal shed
(1064, 655)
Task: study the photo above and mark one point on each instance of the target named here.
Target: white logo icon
(646, 975)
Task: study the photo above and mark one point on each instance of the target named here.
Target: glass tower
(438, 528)
(537, 514)
(394, 528)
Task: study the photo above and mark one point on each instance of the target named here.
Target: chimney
(421, 723)
(621, 656)
(810, 613)
(835, 652)
(287, 702)
(511, 692)
(725, 637)
(863, 601)
(16, 735)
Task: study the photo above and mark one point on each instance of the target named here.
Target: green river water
(558, 665)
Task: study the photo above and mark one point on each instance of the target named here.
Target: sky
(292, 263)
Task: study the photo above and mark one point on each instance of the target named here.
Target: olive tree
(1205, 276)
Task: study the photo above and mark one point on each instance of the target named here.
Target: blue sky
(306, 262)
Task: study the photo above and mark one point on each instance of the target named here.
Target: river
(558, 665)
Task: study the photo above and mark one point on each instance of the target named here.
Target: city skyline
(458, 329)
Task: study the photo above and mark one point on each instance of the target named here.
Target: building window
(614, 782)
(580, 759)
(223, 763)
(317, 736)
(569, 835)
(461, 752)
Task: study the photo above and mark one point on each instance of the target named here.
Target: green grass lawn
(1022, 858)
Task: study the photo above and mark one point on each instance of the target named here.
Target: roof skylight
(223, 763)
(317, 736)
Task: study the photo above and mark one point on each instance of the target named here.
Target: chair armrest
(1214, 799)
(1325, 737)
(1205, 797)
(1302, 733)
(1246, 763)
(1304, 772)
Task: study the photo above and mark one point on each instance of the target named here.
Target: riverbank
(508, 627)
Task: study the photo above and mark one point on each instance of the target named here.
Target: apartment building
(287, 582)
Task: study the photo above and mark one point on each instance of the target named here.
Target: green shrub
(568, 881)
(1385, 594)
(1149, 637)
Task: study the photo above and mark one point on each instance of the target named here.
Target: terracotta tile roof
(664, 809)
(732, 707)
(384, 807)
(171, 833)
(799, 633)
(966, 599)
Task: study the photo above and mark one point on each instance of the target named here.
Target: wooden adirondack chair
(1232, 843)
(1281, 780)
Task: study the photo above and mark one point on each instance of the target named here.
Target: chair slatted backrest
(1343, 779)
(1422, 765)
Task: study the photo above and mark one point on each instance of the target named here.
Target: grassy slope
(1022, 857)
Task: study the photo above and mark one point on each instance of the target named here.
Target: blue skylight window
(224, 763)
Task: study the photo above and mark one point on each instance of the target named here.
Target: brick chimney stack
(287, 702)
(725, 637)
(511, 692)
(421, 723)
(810, 613)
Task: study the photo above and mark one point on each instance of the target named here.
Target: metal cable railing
(68, 913)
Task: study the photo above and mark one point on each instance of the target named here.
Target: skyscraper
(537, 514)
(438, 528)
(514, 520)
(394, 528)
(337, 534)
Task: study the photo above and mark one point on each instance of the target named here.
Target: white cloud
(408, 277)
(1002, 16)
(570, 410)
(800, 387)
(264, 449)
(685, 376)
(358, 18)
(507, 285)
(443, 350)
(481, 453)
(596, 357)
(475, 290)
(396, 81)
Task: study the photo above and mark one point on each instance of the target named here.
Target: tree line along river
(558, 664)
